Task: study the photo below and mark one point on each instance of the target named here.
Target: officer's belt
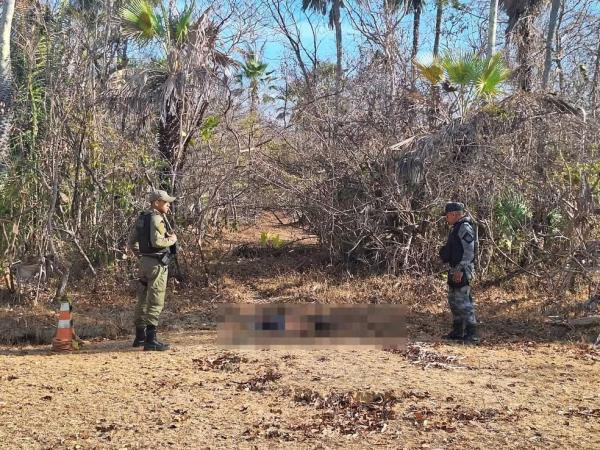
(154, 255)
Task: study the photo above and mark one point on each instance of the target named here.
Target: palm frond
(432, 72)
(315, 5)
(493, 75)
(138, 89)
(140, 21)
(202, 40)
(512, 212)
(180, 27)
(462, 68)
(414, 6)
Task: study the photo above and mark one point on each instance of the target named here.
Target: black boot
(140, 336)
(151, 343)
(471, 334)
(457, 331)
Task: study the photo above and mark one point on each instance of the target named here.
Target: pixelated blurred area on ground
(530, 383)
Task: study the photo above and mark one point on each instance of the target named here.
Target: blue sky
(463, 25)
(275, 47)
(466, 28)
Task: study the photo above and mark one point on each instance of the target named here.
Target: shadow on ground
(294, 274)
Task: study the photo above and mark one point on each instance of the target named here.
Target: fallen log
(580, 322)
(584, 321)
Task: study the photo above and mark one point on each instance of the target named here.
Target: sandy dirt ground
(198, 395)
(529, 384)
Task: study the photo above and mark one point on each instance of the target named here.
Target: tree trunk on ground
(6, 88)
(549, 40)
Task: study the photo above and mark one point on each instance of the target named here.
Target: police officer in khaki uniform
(151, 241)
(459, 254)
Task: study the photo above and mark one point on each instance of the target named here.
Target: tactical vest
(143, 225)
(452, 252)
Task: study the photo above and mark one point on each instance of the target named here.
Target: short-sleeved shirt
(158, 232)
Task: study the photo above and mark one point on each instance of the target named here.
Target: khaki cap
(160, 195)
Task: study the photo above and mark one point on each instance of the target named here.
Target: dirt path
(112, 396)
(527, 386)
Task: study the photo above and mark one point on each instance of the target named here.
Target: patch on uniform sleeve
(468, 235)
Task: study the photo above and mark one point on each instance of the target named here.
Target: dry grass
(513, 391)
(296, 273)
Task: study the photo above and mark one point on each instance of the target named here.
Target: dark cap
(453, 206)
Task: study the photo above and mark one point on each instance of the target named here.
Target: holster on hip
(165, 259)
(463, 282)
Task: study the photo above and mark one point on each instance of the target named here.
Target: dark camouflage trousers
(462, 304)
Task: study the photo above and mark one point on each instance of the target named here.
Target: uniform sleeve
(467, 240)
(158, 232)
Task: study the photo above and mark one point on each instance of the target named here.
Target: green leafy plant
(556, 222)
(575, 172)
(209, 125)
(467, 76)
(264, 238)
(271, 240)
(511, 214)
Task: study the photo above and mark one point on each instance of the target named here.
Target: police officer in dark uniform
(459, 254)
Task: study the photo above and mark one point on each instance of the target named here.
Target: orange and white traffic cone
(65, 339)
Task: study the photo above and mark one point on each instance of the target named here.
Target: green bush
(512, 213)
(271, 240)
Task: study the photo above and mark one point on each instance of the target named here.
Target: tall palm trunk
(415, 43)
(6, 89)
(492, 28)
(520, 31)
(435, 88)
(524, 31)
(551, 30)
(337, 23)
(438, 27)
(416, 25)
(595, 81)
(168, 143)
(253, 96)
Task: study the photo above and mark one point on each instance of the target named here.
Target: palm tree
(521, 15)
(467, 76)
(335, 21)
(177, 85)
(255, 71)
(6, 89)
(549, 39)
